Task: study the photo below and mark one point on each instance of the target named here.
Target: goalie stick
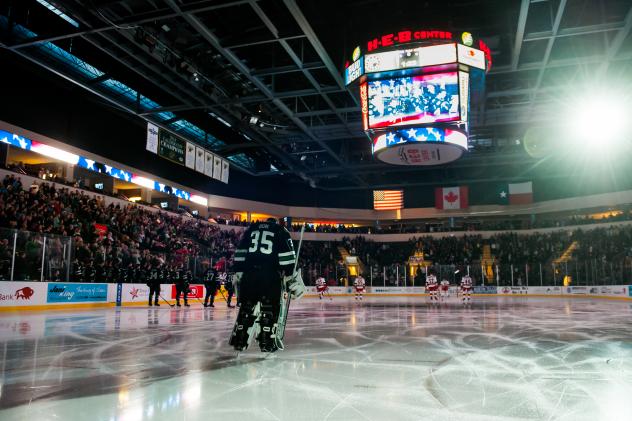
(285, 303)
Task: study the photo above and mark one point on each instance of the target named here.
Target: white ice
(381, 359)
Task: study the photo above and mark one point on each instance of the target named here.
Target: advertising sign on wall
(485, 289)
(135, 293)
(76, 293)
(21, 293)
(195, 291)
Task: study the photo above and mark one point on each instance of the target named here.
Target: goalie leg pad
(268, 338)
(245, 326)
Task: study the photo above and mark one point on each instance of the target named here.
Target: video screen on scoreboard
(413, 100)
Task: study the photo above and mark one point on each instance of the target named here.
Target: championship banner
(171, 147)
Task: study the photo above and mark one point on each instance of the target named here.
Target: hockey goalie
(265, 266)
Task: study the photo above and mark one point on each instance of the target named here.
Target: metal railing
(573, 272)
(30, 256)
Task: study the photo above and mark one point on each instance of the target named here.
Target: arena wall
(15, 296)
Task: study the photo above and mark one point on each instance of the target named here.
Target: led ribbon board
(92, 165)
(420, 146)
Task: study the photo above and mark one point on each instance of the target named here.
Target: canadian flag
(451, 197)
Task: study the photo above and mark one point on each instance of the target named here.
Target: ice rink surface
(382, 359)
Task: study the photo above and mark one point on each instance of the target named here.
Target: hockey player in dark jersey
(210, 285)
(264, 266)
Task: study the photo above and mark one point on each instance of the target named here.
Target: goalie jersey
(267, 247)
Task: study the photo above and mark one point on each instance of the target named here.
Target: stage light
(598, 121)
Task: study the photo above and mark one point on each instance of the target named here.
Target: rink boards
(64, 295)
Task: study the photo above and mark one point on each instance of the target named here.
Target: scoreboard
(415, 93)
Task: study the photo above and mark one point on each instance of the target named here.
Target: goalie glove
(294, 285)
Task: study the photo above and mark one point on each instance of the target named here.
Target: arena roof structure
(260, 81)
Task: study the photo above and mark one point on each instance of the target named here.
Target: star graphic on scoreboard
(412, 133)
(390, 137)
(22, 142)
(503, 194)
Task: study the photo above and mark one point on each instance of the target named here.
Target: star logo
(503, 194)
(22, 142)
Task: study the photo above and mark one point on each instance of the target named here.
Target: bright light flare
(599, 121)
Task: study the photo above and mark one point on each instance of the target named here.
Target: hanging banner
(190, 156)
(199, 160)
(152, 138)
(225, 170)
(208, 164)
(171, 147)
(217, 168)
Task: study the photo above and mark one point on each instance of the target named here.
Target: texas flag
(451, 197)
(515, 194)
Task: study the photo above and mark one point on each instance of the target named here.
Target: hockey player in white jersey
(359, 284)
(322, 288)
(432, 286)
(444, 289)
(466, 288)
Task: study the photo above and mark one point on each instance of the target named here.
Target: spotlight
(598, 120)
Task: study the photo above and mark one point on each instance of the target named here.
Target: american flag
(388, 199)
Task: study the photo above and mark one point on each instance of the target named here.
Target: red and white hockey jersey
(359, 283)
(321, 285)
(431, 283)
